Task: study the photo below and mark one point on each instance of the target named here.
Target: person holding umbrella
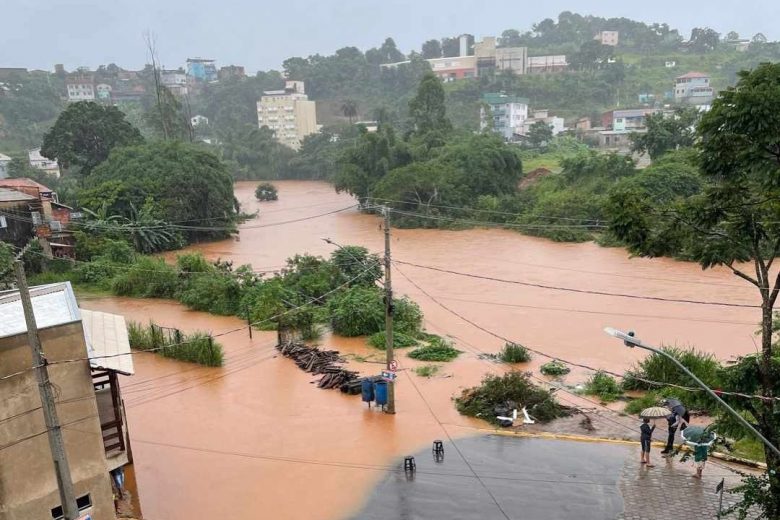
(673, 421)
(646, 431)
(700, 439)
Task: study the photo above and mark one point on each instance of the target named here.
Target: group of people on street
(678, 419)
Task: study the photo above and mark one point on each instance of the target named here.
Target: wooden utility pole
(58, 455)
(389, 315)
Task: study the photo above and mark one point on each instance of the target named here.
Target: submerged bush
(554, 368)
(400, 340)
(514, 353)
(437, 350)
(357, 311)
(426, 370)
(604, 386)
(497, 394)
(266, 191)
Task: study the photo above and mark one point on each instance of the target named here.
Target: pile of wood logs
(316, 361)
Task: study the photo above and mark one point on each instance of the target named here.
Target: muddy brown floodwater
(254, 439)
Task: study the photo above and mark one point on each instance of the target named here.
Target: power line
(579, 291)
(571, 363)
(488, 223)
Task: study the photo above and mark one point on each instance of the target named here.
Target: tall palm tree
(349, 109)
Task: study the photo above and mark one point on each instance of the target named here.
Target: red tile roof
(692, 75)
(23, 183)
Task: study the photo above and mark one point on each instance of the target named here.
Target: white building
(4, 162)
(505, 115)
(81, 87)
(43, 163)
(289, 113)
(175, 81)
(199, 120)
(555, 123)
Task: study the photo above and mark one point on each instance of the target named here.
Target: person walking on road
(646, 437)
(700, 454)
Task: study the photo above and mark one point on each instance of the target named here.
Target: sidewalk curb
(585, 438)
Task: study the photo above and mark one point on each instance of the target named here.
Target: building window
(83, 503)
(3, 222)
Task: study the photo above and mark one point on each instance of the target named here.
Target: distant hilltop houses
(486, 57)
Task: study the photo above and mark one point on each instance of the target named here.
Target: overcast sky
(260, 34)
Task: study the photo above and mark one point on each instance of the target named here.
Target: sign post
(719, 491)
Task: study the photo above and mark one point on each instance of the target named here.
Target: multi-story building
(289, 113)
(693, 88)
(610, 38)
(542, 64)
(85, 351)
(202, 69)
(492, 58)
(43, 163)
(103, 92)
(175, 81)
(503, 114)
(81, 87)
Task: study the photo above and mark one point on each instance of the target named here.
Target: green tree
(85, 133)
(704, 39)
(450, 47)
(357, 264)
(510, 38)
(665, 133)
(431, 49)
(349, 108)
(539, 135)
(733, 223)
(168, 116)
(187, 185)
(427, 108)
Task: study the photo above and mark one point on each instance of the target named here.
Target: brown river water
(254, 439)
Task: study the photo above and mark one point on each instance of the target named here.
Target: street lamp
(631, 341)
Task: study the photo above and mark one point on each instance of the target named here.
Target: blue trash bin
(367, 390)
(380, 392)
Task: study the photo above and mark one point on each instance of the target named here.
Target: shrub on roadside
(147, 278)
(357, 311)
(635, 406)
(511, 390)
(604, 386)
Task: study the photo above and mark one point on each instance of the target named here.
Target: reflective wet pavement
(497, 477)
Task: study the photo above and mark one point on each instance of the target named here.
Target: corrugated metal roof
(108, 346)
(23, 182)
(53, 304)
(7, 195)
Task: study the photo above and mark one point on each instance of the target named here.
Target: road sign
(388, 376)
(394, 365)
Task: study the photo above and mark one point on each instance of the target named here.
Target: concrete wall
(28, 487)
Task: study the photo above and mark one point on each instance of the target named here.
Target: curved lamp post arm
(631, 341)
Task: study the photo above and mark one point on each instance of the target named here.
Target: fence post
(249, 323)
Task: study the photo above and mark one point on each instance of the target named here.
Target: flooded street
(255, 439)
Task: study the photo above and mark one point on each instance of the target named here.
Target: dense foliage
(498, 395)
(266, 191)
(185, 184)
(85, 133)
(196, 347)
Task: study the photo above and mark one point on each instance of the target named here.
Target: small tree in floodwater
(266, 191)
(734, 222)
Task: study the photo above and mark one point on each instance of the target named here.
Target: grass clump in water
(438, 349)
(604, 386)
(555, 368)
(514, 353)
(498, 395)
(427, 370)
(197, 347)
(400, 340)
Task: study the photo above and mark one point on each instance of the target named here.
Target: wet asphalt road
(534, 479)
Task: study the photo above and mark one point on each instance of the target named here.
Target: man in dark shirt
(673, 421)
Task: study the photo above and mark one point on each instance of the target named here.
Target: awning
(108, 347)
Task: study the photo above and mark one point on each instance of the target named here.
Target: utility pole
(388, 315)
(59, 457)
